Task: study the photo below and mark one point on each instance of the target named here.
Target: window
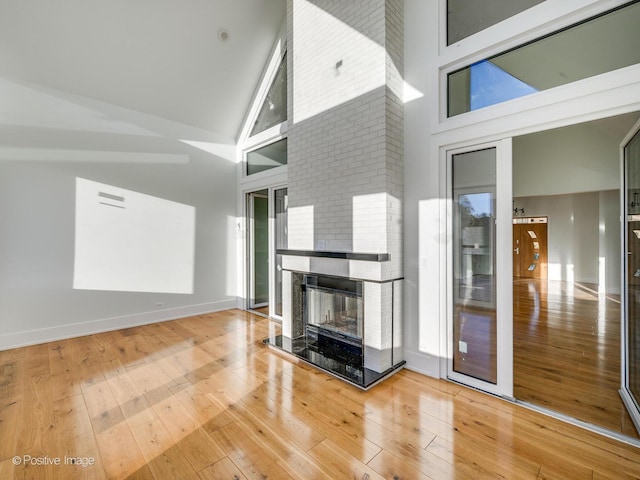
(598, 45)
(466, 17)
(267, 157)
(274, 108)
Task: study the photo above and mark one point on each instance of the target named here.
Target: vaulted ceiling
(160, 57)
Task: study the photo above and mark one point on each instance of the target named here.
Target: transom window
(274, 108)
(598, 45)
(267, 157)
(466, 17)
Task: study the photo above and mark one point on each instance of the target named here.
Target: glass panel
(466, 17)
(281, 206)
(261, 249)
(268, 157)
(632, 167)
(474, 288)
(336, 311)
(596, 46)
(274, 108)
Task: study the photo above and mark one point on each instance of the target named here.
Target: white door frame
(251, 297)
(504, 269)
(247, 246)
(632, 407)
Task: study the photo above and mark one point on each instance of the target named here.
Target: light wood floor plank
(202, 397)
(340, 464)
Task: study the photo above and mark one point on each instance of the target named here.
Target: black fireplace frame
(328, 342)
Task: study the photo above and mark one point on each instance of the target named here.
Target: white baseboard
(61, 332)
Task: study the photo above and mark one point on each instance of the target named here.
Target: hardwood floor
(567, 352)
(203, 398)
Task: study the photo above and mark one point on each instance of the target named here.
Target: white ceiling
(159, 57)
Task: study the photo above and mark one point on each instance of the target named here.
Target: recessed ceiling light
(223, 35)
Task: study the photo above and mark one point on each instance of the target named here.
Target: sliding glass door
(258, 221)
(266, 233)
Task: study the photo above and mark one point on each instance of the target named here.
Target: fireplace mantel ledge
(367, 257)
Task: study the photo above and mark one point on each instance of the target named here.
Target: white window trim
(539, 20)
(277, 54)
(545, 18)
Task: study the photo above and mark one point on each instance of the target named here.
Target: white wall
(579, 158)
(47, 140)
(423, 238)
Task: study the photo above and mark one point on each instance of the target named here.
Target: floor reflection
(567, 351)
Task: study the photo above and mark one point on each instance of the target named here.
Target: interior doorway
(266, 233)
(258, 250)
(530, 247)
(567, 317)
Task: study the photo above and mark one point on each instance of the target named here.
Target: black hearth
(328, 327)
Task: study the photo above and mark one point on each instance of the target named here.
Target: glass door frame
(631, 404)
(503, 269)
(249, 267)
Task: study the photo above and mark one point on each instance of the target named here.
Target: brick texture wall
(345, 135)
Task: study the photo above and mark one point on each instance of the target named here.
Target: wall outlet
(462, 346)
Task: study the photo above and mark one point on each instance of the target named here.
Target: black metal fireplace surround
(333, 329)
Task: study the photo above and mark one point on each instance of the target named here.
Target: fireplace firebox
(333, 312)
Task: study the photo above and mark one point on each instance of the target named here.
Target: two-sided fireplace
(342, 313)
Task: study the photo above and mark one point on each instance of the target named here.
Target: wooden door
(530, 248)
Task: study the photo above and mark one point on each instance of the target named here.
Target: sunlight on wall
(602, 275)
(131, 242)
(554, 271)
(410, 93)
(431, 238)
(369, 223)
(226, 151)
(233, 229)
(333, 63)
(570, 277)
(301, 228)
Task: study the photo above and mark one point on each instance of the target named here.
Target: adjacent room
(567, 279)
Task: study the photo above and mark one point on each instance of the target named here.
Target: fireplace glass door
(334, 307)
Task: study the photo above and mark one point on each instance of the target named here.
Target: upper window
(466, 17)
(267, 157)
(598, 45)
(274, 108)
